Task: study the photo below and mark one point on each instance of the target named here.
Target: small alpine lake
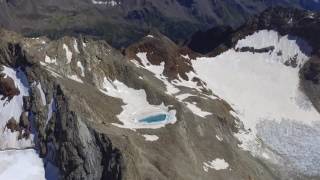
(154, 118)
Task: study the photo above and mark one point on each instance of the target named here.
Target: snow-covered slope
(21, 165)
(13, 109)
(265, 96)
(17, 160)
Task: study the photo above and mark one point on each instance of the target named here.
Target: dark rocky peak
(287, 21)
(300, 23)
(204, 41)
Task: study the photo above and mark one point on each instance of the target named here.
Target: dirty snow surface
(136, 106)
(265, 95)
(17, 160)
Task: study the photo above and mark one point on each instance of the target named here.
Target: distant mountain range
(121, 22)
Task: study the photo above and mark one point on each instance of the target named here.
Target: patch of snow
(75, 78)
(192, 106)
(75, 46)
(136, 106)
(217, 164)
(219, 138)
(185, 56)
(311, 15)
(157, 70)
(68, 53)
(140, 77)
(150, 36)
(49, 60)
(182, 97)
(84, 44)
(196, 110)
(150, 137)
(21, 165)
(265, 155)
(106, 2)
(79, 64)
(51, 109)
(43, 96)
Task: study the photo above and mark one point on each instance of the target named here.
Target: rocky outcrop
(7, 87)
(205, 41)
(159, 50)
(254, 50)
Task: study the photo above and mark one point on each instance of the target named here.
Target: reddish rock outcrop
(7, 87)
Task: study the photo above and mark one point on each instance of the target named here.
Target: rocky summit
(237, 101)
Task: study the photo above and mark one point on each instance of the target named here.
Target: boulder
(7, 87)
(12, 125)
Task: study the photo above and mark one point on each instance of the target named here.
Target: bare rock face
(24, 121)
(65, 139)
(26, 103)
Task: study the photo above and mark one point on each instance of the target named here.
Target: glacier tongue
(262, 89)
